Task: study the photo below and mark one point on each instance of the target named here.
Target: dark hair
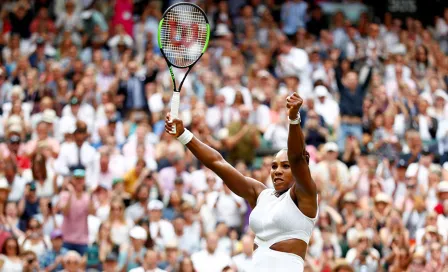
(6, 242)
(307, 155)
(138, 189)
(39, 161)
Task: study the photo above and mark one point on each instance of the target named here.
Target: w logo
(183, 34)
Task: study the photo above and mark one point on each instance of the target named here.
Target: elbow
(294, 157)
(215, 160)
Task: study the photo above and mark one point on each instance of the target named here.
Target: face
(11, 247)
(57, 243)
(212, 242)
(151, 258)
(352, 80)
(11, 209)
(116, 209)
(71, 263)
(281, 172)
(78, 183)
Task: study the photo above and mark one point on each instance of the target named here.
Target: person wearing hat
(78, 154)
(442, 196)
(76, 204)
(52, 259)
(42, 133)
(418, 262)
(330, 166)
(161, 230)
(363, 257)
(325, 105)
(133, 255)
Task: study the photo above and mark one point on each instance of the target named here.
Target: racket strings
(184, 34)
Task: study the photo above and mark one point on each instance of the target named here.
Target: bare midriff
(294, 246)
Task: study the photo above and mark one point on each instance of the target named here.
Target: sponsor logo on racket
(182, 31)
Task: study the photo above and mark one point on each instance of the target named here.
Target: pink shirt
(74, 227)
(123, 15)
(51, 142)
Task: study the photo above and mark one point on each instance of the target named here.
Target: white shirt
(116, 169)
(68, 156)
(118, 133)
(166, 234)
(295, 62)
(17, 189)
(86, 113)
(277, 134)
(203, 261)
(229, 93)
(217, 118)
(227, 210)
(329, 110)
(242, 262)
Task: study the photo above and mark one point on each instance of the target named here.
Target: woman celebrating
(282, 218)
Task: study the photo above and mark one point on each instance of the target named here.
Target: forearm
(66, 208)
(205, 154)
(296, 143)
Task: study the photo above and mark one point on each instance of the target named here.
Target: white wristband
(186, 137)
(295, 121)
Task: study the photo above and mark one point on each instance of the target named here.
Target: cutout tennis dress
(276, 219)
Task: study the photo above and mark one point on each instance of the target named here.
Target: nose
(278, 171)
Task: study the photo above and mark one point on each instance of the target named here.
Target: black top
(351, 102)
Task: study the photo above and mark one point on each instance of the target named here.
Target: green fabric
(244, 150)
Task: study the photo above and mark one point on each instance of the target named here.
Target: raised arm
(245, 187)
(304, 187)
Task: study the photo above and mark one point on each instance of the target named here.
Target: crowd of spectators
(89, 181)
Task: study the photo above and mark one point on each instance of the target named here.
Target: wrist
(294, 120)
(185, 137)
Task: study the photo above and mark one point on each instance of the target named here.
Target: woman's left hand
(293, 104)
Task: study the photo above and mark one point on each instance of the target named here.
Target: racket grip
(175, 102)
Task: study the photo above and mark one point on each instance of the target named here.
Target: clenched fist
(169, 124)
(293, 104)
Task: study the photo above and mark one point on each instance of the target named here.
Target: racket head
(183, 34)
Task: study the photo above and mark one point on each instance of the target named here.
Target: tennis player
(282, 218)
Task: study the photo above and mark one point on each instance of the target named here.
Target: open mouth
(277, 180)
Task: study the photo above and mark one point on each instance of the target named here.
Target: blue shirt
(132, 263)
(49, 258)
(293, 16)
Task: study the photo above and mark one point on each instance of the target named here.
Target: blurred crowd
(89, 181)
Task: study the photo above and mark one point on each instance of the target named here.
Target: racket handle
(175, 102)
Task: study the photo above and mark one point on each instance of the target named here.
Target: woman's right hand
(169, 124)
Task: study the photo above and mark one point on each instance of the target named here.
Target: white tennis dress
(276, 219)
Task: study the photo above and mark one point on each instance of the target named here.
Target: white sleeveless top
(276, 219)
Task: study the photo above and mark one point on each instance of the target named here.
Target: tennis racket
(183, 37)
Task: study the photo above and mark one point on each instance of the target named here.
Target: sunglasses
(115, 208)
(11, 246)
(72, 262)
